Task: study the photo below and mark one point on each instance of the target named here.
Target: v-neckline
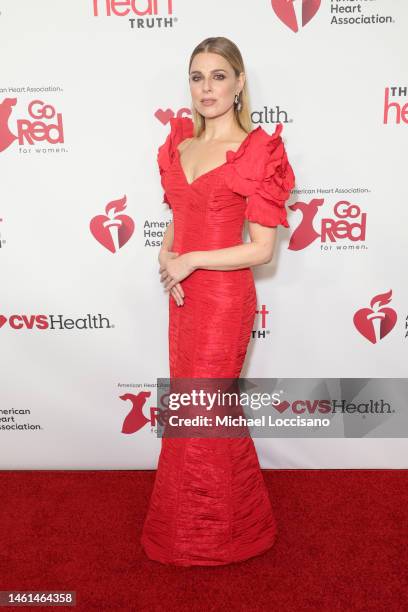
(212, 169)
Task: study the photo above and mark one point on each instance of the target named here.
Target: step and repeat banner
(87, 90)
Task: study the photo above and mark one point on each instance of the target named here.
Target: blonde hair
(229, 51)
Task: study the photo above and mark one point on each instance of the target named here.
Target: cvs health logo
(42, 124)
(112, 230)
(348, 222)
(375, 323)
(52, 322)
(291, 11)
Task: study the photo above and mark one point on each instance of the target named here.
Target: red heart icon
(112, 233)
(3, 320)
(282, 406)
(364, 322)
(285, 10)
(164, 116)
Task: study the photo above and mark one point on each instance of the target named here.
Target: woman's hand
(176, 291)
(174, 268)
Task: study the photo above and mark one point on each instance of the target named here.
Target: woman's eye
(222, 77)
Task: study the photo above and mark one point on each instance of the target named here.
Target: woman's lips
(208, 102)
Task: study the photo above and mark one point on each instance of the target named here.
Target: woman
(209, 504)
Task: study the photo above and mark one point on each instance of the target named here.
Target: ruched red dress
(209, 504)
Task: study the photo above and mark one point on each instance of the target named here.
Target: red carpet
(342, 544)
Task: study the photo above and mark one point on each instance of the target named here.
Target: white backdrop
(86, 92)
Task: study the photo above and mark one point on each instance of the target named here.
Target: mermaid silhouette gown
(209, 504)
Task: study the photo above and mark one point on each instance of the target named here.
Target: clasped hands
(173, 269)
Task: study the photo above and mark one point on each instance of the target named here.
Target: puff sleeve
(261, 171)
(180, 128)
(164, 158)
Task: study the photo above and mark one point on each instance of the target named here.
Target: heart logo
(285, 11)
(112, 230)
(375, 323)
(164, 116)
(113, 235)
(3, 320)
(365, 319)
(282, 406)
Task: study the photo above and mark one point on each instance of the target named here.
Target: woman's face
(213, 84)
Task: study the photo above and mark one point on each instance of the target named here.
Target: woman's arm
(257, 252)
(165, 254)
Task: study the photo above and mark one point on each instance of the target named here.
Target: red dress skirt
(209, 504)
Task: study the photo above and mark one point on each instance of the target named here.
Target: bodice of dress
(254, 182)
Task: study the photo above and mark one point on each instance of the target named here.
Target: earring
(237, 101)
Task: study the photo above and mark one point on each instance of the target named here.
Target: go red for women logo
(291, 12)
(43, 124)
(348, 223)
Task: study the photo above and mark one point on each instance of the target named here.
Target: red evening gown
(209, 504)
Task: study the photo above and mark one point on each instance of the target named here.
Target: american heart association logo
(113, 230)
(285, 10)
(375, 323)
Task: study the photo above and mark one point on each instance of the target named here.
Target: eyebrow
(215, 70)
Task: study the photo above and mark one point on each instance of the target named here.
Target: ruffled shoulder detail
(180, 128)
(260, 170)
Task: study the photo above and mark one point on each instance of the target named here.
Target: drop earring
(237, 101)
